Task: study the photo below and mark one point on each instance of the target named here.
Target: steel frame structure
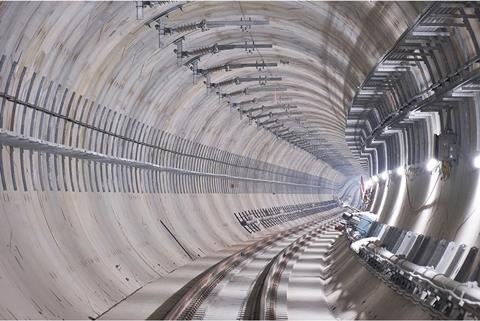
(426, 70)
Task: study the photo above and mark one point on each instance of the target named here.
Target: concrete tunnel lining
(117, 171)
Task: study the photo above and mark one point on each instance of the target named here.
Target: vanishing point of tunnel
(240, 160)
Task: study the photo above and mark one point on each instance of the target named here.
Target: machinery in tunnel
(239, 160)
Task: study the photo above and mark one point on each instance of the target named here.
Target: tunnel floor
(306, 273)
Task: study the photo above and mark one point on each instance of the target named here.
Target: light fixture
(384, 175)
(432, 164)
(476, 161)
(368, 183)
(413, 113)
(401, 171)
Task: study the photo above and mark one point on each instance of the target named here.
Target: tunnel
(239, 160)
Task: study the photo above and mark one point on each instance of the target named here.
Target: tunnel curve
(117, 170)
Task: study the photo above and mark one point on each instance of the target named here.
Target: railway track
(256, 283)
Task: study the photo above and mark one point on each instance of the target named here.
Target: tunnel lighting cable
(463, 223)
(426, 200)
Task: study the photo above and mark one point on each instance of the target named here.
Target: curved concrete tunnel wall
(424, 201)
(75, 245)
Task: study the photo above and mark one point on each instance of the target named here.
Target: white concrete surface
(78, 253)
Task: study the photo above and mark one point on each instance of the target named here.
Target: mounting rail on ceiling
(140, 5)
(203, 25)
(262, 80)
(193, 65)
(287, 125)
(213, 49)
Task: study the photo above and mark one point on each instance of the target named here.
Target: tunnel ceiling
(322, 52)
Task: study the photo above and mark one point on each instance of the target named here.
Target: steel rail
(184, 303)
(262, 298)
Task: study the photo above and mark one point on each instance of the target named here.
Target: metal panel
(372, 229)
(447, 257)
(394, 234)
(457, 261)
(386, 234)
(425, 251)
(421, 239)
(398, 241)
(437, 253)
(407, 243)
(468, 267)
(382, 232)
(378, 228)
